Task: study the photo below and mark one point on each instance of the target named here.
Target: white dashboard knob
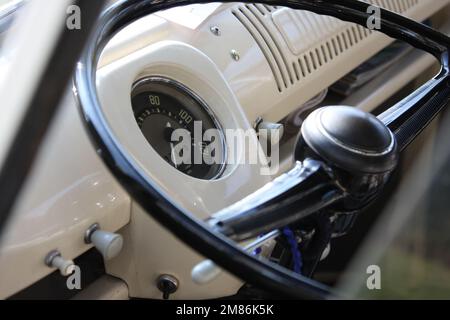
(205, 272)
(109, 244)
(55, 260)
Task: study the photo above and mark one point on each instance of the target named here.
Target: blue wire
(257, 251)
(296, 255)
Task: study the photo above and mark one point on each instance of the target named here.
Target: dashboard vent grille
(319, 41)
(256, 18)
(399, 6)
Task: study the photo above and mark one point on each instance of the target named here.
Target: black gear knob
(350, 139)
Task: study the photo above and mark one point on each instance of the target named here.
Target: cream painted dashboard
(263, 62)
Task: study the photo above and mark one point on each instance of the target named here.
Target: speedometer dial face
(161, 106)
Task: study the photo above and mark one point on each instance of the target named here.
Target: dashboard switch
(109, 244)
(55, 260)
(273, 131)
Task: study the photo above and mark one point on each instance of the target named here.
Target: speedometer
(161, 106)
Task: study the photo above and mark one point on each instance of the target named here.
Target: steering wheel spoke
(408, 118)
(306, 189)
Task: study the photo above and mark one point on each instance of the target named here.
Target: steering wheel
(344, 155)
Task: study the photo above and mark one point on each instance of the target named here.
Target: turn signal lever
(344, 157)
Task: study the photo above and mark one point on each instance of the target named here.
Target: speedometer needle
(172, 149)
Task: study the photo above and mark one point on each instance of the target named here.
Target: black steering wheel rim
(184, 226)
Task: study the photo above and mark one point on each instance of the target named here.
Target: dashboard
(224, 66)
